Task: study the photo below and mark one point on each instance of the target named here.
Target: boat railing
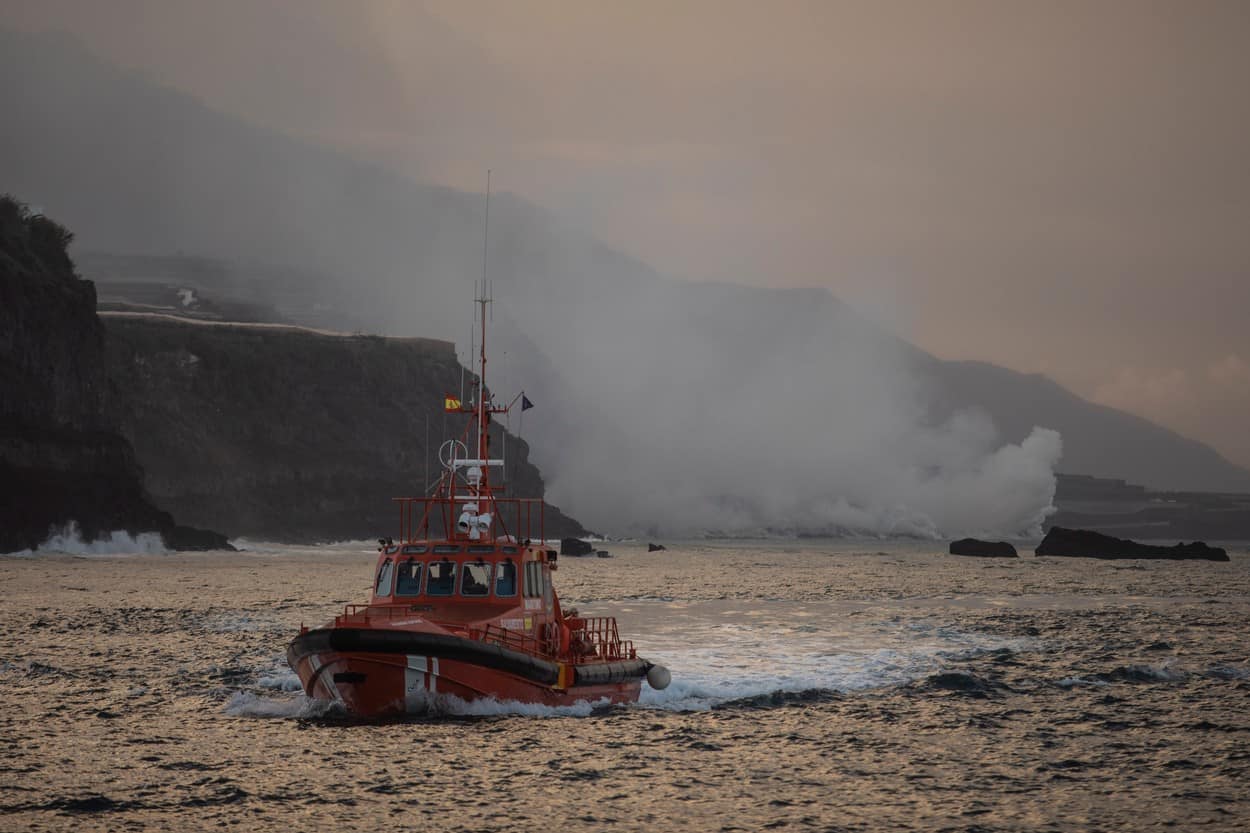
(589, 636)
(514, 640)
(598, 635)
(521, 518)
(365, 612)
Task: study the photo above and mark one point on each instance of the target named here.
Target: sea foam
(68, 539)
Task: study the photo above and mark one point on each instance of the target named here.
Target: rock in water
(983, 549)
(574, 546)
(189, 538)
(1082, 543)
(656, 548)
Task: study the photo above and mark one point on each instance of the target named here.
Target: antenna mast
(483, 299)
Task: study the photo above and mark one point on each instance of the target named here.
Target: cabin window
(441, 578)
(508, 550)
(481, 548)
(533, 579)
(443, 549)
(475, 579)
(505, 578)
(414, 549)
(408, 578)
(383, 586)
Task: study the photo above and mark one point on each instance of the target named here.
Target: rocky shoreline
(62, 460)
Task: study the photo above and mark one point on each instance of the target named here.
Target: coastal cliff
(286, 433)
(61, 459)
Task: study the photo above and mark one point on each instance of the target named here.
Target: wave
(68, 539)
(247, 545)
(443, 704)
(747, 664)
(280, 681)
(1144, 674)
(1080, 682)
(1228, 672)
(739, 665)
(250, 704)
(302, 707)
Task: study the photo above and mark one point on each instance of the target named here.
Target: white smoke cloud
(684, 410)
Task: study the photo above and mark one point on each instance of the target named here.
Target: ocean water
(841, 686)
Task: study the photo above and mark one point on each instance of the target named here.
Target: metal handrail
(591, 636)
(416, 513)
(366, 612)
(515, 640)
(600, 633)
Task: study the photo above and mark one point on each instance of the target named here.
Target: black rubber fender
(443, 646)
(599, 673)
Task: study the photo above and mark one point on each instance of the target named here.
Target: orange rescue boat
(469, 612)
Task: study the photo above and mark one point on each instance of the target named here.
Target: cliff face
(61, 459)
(283, 433)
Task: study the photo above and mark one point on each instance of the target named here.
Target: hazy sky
(1060, 187)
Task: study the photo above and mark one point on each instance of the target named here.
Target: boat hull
(385, 672)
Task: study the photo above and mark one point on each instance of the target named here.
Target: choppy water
(816, 687)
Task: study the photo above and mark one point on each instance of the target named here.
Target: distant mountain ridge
(133, 167)
(1098, 440)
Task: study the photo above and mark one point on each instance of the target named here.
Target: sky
(1057, 187)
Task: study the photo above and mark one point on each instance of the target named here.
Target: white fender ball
(658, 677)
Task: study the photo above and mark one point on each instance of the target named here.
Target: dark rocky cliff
(61, 459)
(285, 433)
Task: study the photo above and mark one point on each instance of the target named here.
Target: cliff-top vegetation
(32, 245)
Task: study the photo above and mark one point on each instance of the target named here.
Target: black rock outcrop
(575, 546)
(1082, 543)
(656, 548)
(983, 549)
(61, 460)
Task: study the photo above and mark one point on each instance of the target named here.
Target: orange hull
(413, 672)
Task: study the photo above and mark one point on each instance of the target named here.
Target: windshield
(383, 586)
(441, 579)
(505, 578)
(475, 580)
(408, 579)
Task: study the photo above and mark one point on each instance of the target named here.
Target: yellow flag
(451, 403)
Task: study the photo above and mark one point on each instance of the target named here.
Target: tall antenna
(468, 359)
(484, 299)
(472, 342)
(486, 231)
(472, 339)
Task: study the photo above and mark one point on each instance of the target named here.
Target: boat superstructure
(463, 603)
